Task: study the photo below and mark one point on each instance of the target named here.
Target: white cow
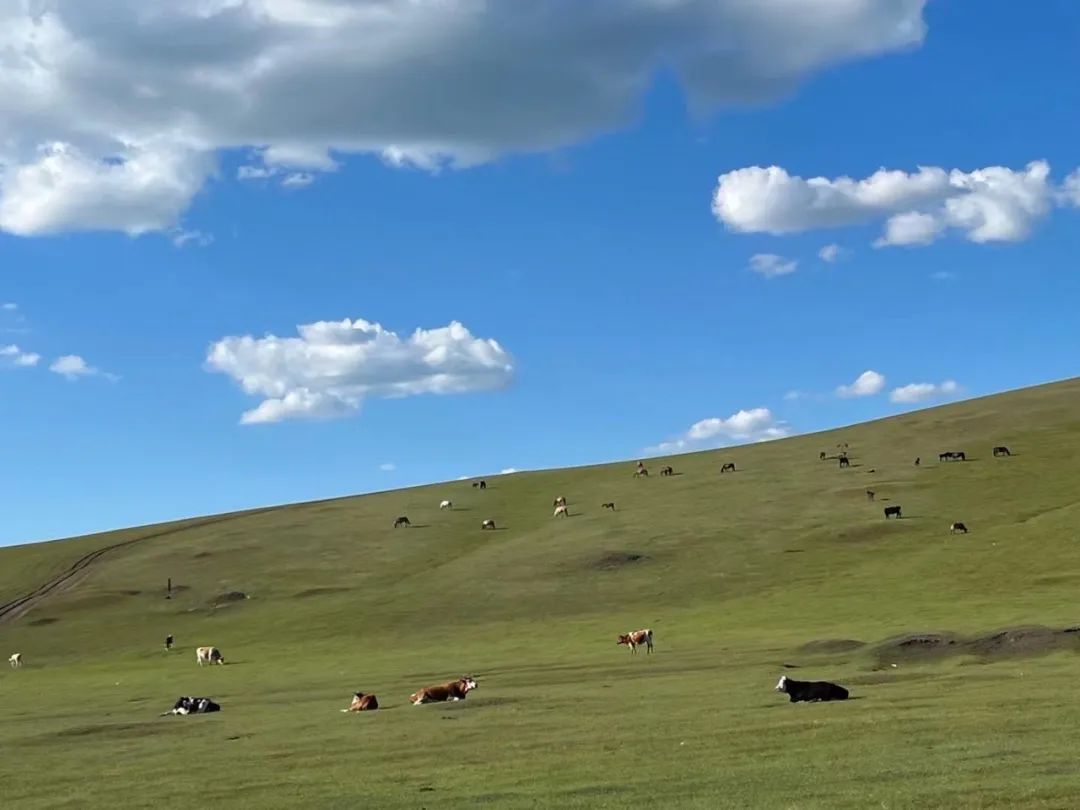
(446, 505)
(561, 510)
(208, 655)
(15, 660)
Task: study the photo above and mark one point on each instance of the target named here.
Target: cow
(844, 462)
(635, 639)
(15, 660)
(446, 505)
(958, 527)
(208, 655)
(402, 521)
(362, 703)
(822, 456)
(479, 484)
(168, 642)
(193, 705)
(1001, 451)
(869, 494)
(918, 460)
(641, 472)
(810, 691)
(728, 467)
(560, 501)
(892, 511)
(452, 691)
(952, 455)
(667, 471)
(561, 510)
(488, 524)
(609, 505)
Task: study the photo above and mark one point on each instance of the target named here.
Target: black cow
(402, 521)
(810, 691)
(822, 455)
(918, 459)
(610, 505)
(892, 511)
(952, 455)
(479, 484)
(168, 642)
(1001, 451)
(729, 467)
(844, 462)
(958, 527)
(194, 705)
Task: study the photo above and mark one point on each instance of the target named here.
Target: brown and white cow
(15, 660)
(560, 501)
(454, 691)
(208, 655)
(561, 510)
(637, 638)
(362, 703)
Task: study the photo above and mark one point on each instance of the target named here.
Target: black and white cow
(194, 705)
(810, 691)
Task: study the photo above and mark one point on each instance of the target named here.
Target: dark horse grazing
(952, 455)
(729, 467)
(892, 511)
(610, 505)
(667, 470)
(402, 521)
(1001, 451)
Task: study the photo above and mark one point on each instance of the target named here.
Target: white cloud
(866, 385)
(1070, 189)
(72, 367)
(332, 366)
(181, 238)
(9, 307)
(792, 396)
(994, 204)
(831, 253)
(755, 425)
(508, 471)
(14, 356)
(388, 467)
(770, 265)
(143, 95)
(920, 392)
(298, 179)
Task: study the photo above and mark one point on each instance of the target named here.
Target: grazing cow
(822, 456)
(402, 521)
(844, 462)
(15, 660)
(488, 524)
(362, 703)
(892, 511)
(561, 510)
(958, 527)
(869, 494)
(610, 505)
(479, 484)
(560, 501)
(208, 655)
(728, 467)
(635, 639)
(952, 455)
(810, 691)
(1001, 451)
(168, 642)
(194, 705)
(667, 470)
(454, 691)
(446, 505)
(918, 459)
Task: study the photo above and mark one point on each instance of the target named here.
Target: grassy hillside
(783, 562)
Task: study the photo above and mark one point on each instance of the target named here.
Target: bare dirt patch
(318, 592)
(614, 560)
(229, 598)
(832, 645)
(1010, 642)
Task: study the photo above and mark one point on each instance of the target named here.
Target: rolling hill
(956, 646)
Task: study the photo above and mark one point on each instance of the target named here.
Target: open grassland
(783, 562)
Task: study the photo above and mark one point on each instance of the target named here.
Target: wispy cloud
(921, 392)
(866, 384)
(388, 467)
(13, 356)
(770, 265)
(754, 425)
(72, 367)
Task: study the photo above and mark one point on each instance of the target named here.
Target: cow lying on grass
(193, 705)
(810, 691)
(362, 703)
(454, 690)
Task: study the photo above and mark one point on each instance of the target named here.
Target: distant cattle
(194, 705)
(446, 505)
(1001, 451)
(637, 638)
(667, 470)
(402, 521)
(561, 510)
(488, 524)
(728, 467)
(810, 691)
(869, 494)
(822, 455)
(168, 642)
(560, 501)
(952, 455)
(362, 703)
(917, 460)
(844, 462)
(15, 660)
(208, 655)
(958, 527)
(453, 691)
(641, 472)
(843, 445)
(479, 484)
(609, 505)
(892, 511)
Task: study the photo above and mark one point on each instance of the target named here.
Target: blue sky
(582, 239)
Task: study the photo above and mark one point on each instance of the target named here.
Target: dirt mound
(918, 645)
(229, 597)
(617, 559)
(1014, 641)
(832, 645)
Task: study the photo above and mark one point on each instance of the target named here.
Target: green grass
(737, 573)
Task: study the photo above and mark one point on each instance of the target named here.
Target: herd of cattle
(797, 691)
